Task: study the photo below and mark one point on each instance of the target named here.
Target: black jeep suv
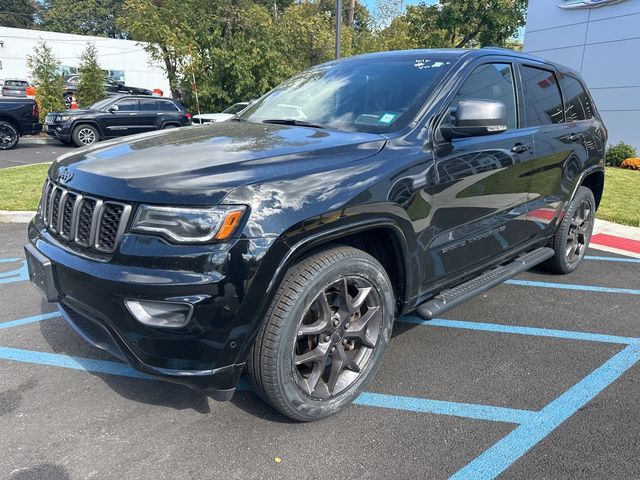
(284, 242)
(114, 117)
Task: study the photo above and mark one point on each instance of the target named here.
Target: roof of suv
(460, 53)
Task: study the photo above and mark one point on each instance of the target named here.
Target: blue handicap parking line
(66, 361)
(533, 331)
(505, 452)
(18, 275)
(612, 259)
(27, 320)
(440, 407)
(569, 286)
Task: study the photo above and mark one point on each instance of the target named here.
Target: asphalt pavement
(537, 378)
(29, 151)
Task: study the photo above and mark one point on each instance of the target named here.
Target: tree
(91, 84)
(86, 17)
(19, 13)
(44, 69)
(472, 23)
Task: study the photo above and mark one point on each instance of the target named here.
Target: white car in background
(220, 117)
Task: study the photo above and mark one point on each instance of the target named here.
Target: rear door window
(493, 81)
(148, 105)
(577, 103)
(128, 105)
(542, 99)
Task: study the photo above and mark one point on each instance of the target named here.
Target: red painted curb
(616, 242)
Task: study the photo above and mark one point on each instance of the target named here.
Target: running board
(465, 291)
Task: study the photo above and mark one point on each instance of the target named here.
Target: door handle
(521, 147)
(575, 137)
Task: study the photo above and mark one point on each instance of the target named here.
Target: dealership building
(124, 60)
(600, 39)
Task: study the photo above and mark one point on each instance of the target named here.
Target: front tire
(324, 334)
(8, 136)
(84, 135)
(572, 237)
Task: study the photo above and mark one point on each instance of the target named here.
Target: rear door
(150, 115)
(560, 151)
(481, 191)
(125, 121)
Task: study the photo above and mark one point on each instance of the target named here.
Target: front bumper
(59, 131)
(209, 353)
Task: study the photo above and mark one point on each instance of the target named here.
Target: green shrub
(44, 68)
(618, 153)
(91, 85)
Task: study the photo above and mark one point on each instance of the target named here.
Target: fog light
(160, 314)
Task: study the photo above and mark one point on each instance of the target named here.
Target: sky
(371, 4)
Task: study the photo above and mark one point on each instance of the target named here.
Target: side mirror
(474, 118)
(113, 108)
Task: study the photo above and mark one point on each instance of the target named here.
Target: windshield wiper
(292, 121)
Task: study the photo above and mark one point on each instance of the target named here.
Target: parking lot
(31, 151)
(537, 378)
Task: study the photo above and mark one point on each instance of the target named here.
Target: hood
(201, 164)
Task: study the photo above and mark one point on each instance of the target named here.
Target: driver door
(481, 191)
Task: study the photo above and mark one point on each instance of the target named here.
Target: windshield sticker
(387, 118)
(423, 63)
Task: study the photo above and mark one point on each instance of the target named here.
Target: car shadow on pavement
(63, 340)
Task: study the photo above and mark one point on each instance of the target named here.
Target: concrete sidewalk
(615, 238)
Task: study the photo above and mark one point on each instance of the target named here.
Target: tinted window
(542, 100)
(363, 94)
(577, 104)
(493, 81)
(128, 105)
(15, 83)
(166, 106)
(148, 105)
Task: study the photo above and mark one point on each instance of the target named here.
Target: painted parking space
(473, 395)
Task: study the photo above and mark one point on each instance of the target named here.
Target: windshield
(101, 104)
(238, 107)
(377, 95)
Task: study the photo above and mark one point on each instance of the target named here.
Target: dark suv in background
(111, 86)
(114, 117)
(287, 240)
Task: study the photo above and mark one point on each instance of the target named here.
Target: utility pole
(338, 26)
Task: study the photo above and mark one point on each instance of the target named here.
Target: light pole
(338, 26)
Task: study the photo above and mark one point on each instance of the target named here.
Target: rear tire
(324, 334)
(9, 136)
(572, 237)
(84, 135)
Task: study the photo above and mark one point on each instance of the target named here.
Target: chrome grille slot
(86, 222)
(109, 226)
(83, 235)
(67, 215)
(55, 208)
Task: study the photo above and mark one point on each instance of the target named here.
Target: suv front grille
(87, 222)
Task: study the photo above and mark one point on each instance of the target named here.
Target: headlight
(63, 118)
(188, 225)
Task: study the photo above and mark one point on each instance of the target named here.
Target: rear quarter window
(542, 99)
(165, 106)
(577, 103)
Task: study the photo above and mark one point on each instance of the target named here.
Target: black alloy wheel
(324, 334)
(579, 232)
(572, 237)
(8, 136)
(336, 337)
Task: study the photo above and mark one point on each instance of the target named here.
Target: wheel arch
(383, 240)
(594, 181)
(10, 121)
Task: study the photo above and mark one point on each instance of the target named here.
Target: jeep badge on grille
(64, 175)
